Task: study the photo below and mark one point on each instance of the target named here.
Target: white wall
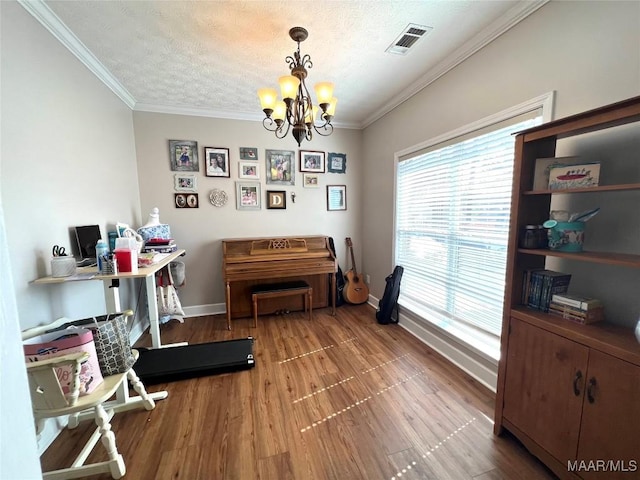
(201, 230)
(588, 52)
(68, 158)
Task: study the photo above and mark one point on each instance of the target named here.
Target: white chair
(49, 401)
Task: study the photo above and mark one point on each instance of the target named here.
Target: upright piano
(252, 261)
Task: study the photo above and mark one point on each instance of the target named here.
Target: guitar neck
(353, 258)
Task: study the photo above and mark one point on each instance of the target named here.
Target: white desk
(111, 283)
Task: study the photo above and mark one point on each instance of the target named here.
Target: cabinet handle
(592, 386)
(576, 380)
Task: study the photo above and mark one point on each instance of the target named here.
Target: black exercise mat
(170, 364)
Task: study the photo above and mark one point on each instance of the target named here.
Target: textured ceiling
(210, 57)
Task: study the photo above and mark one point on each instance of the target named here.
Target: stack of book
(579, 309)
(540, 285)
(160, 245)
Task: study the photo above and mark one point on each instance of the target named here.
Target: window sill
(483, 345)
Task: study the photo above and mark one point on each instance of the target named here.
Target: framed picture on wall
(186, 200)
(248, 153)
(310, 180)
(276, 199)
(248, 170)
(216, 162)
(336, 197)
(311, 161)
(281, 167)
(248, 195)
(337, 163)
(184, 182)
(183, 155)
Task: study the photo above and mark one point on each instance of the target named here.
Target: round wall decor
(218, 198)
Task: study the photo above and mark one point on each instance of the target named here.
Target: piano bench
(276, 290)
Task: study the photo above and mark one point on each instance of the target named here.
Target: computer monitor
(86, 238)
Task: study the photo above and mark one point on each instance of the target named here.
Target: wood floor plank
(339, 397)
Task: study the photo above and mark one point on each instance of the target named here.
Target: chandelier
(296, 110)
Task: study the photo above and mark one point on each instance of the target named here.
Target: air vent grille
(408, 38)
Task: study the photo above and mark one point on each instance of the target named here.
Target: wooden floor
(336, 398)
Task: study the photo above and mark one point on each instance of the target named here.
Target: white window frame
(452, 336)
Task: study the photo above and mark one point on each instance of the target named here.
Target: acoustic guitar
(355, 290)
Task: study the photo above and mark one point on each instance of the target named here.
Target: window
(453, 199)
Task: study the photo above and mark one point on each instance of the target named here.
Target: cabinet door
(542, 371)
(611, 418)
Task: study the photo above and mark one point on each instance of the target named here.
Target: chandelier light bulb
(268, 98)
(289, 86)
(324, 92)
(331, 109)
(280, 111)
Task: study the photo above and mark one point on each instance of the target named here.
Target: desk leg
(228, 301)
(112, 295)
(152, 307)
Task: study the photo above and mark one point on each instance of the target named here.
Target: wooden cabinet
(569, 392)
(544, 386)
(611, 413)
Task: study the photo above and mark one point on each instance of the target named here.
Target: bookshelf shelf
(608, 258)
(601, 188)
(567, 391)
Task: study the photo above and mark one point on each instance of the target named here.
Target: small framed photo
(248, 170)
(248, 195)
(248, 153)
(192, 200)
(185, 182)
(336, 197)
(281, 167)
(186, 200)
(276, 199)
(310, 180)
(216, 162)
(337, 163)
(311, 161)
(183, 155)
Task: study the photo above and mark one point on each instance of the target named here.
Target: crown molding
(196, 112)
(41, 12)
(511, 18)
(212, 113)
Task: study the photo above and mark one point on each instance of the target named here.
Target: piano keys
(253, 261)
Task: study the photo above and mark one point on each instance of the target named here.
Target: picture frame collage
(280, 169)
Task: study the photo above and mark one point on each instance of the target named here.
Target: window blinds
(452, 221)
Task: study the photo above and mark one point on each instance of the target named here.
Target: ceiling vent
(408, 38)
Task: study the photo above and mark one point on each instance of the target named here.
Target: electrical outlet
(368, 279)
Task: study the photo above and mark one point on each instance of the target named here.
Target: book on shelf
(577, 301)
(584, 317)
(541, 285)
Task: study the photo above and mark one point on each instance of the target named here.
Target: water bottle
(102, 250)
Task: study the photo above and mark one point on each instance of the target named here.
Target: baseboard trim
(202, 310)
(481, 370)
